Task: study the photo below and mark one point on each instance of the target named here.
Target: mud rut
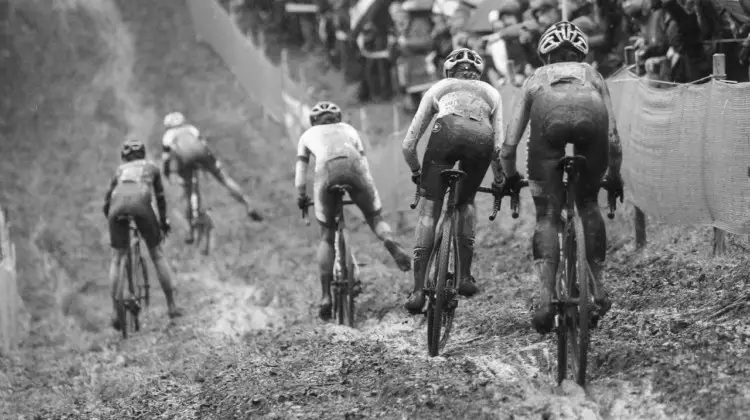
(251, 346)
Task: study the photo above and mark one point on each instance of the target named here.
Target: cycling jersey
(188, 151)
(469, 122)
(131, 193)
(339, 159)
(564, 103)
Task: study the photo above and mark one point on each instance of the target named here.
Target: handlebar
(514, 200)
(612, 204)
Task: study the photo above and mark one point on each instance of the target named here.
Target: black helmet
(133, 149)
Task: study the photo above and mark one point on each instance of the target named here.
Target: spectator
(374, 46)
(413, 28)
(505, 52)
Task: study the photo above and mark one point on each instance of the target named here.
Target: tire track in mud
(492, 363)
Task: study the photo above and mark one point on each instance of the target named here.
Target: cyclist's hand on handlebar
(508, 185)
(303, 201)
(612, 182)
(416, 176)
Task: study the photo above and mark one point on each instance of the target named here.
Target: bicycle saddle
(450, 174)
(570, 163)
(341, 188)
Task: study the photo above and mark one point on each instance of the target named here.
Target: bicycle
(345, 286)
(574, 303)
(441, 289)
(133, 271)
(201, 223)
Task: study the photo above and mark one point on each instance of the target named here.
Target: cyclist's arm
(108, 195)
(615, 147)
(497, 128)
(166, 151)
(303, 159)
(161, 202)
(418, 126)
(506, 152)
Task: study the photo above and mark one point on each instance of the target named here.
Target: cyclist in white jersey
(185, 151)
(469, 122)
(339, 160)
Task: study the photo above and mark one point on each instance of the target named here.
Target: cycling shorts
(457, 139)
(132, 199)
(567, 113)
(345, 170)
(191, 156)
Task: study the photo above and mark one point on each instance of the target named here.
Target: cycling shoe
(415, 302)
(468, 287)
(543, 319)
(325, 311)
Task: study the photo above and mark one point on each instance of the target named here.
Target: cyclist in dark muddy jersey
(185, 151)
(131, 192)
(469, 122)
(339, 160)
(566, 101)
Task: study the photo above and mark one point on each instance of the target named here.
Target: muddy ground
(675, 344)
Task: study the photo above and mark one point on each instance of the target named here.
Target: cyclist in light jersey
(131, 193)
(339, 160)
(185, 151)
(566, 101)
(469, 122)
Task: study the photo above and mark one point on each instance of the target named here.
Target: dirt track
(250, 347)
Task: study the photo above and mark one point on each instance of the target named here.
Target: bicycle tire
(135, 271)
(348, 274)
(120, 306)
(338, 296)
(435, 341)
(582, 274)
(566, 278)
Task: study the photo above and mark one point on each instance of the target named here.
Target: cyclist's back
(132, 195)
(564, 101)
(189, 150)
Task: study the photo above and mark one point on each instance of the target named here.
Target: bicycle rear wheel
(348, 275)
(566, 280)
(441, 310)
(121, 311)
(578, 339)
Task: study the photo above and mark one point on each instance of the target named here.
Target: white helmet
(461, 56)
(562, 33)
(174, 119)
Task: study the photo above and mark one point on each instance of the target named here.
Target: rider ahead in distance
(132, 190)
(566, 101)
(469, 122)
(185, 151)
(339, 160)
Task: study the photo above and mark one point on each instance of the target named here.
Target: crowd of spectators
(396, 47)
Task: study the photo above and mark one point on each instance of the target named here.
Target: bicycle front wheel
(120, 304)
(442, 306)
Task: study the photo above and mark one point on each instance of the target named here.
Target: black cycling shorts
(457, 139)
(567, 113)
(132, 199)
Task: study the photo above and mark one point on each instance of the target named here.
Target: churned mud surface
(675, 344)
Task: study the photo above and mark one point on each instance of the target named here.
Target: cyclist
(469, 122)
(566, 101)
(131, 192)
(184, 151)
(339, 159)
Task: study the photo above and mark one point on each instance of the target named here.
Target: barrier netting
(686, 148)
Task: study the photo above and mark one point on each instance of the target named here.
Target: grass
(250, 346)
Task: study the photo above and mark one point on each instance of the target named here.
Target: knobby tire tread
(582, 272)
(442, 272)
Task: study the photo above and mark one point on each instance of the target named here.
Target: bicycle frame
(201, 222)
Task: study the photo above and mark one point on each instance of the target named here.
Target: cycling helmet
(461, 56)
(174, 119)
(133, 149)
(322, 109)
(560, 34)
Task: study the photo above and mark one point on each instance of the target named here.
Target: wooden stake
(719, 73)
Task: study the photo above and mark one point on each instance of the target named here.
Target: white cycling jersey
(327, 142)
(171, 135)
